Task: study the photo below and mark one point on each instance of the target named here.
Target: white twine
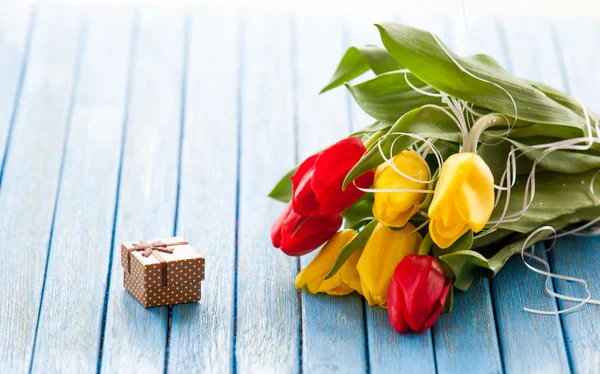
(549, 276)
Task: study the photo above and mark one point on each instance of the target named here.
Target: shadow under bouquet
(464, 167)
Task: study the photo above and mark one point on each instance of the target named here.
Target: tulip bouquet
(463, 167)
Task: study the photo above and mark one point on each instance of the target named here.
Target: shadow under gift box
(162, 271)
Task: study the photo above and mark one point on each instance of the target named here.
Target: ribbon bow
(153, 249)
(150, 248)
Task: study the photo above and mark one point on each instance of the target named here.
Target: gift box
(162, 271)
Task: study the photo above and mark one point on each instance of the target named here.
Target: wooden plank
(333, 331)
(31, 179)
(202, 333)
(268, 313)
(577, 41)
(135, 338)
(68, 335)
(15, 30)
(389, 352)
(360, 30)
(530, 343)
(465, 340)
(578, 257)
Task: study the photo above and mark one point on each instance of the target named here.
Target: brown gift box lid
(183, 265)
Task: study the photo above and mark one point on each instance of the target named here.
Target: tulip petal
(383, 215)
(417, 293)
(301, 234)
(335, 162)
(335, 287)
(464, 197)
(395, 208)
(322, 262)
(396, 307)
(437, 310)
(303, 168)
(312, 276)
(384, 250)
(304, 199)
(331, 168)
(278, 225)
(333, 200)
(478, 190)
(452, 176)
(349, 273)
(450, 231)
(426, 290)
(444, 241)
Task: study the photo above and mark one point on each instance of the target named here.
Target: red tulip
(417, 293)
(297, 235)
(317, 183)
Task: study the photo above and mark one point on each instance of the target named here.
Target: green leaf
(559, 161)
(388, 97)
(463, 275)
(495, 153)
(465, 265)
(361, 209)
(418, 51)
(427, 122)
(358, 60)
(426, 245)
(373, 128)
(556, 195)
(283, 189)
(496, 262)
(449, 301)
(562, 99)
(359, 241)
(489, 237)
(356, 226)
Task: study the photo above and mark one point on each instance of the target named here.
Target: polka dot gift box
(162, 271)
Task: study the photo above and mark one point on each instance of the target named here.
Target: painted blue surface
(121, 124)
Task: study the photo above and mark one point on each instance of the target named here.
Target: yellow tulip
(383, 252)
(463, 198)
(344, 281)
(395, 208)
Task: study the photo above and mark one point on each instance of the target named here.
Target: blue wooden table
(122, 124)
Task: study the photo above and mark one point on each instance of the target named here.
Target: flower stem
(426, 245)
(374, 138)
(482, 124)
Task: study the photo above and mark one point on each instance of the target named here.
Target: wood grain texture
(577, 41)
(31, 178)
(465, 340)
(14, 46)
(530, 343)
(333, 331)
(68, 335)
(75, 98)
(360, 30)
(389, 352)
(579, 257)
(268, 313)
(135, 337)
(202, 333)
